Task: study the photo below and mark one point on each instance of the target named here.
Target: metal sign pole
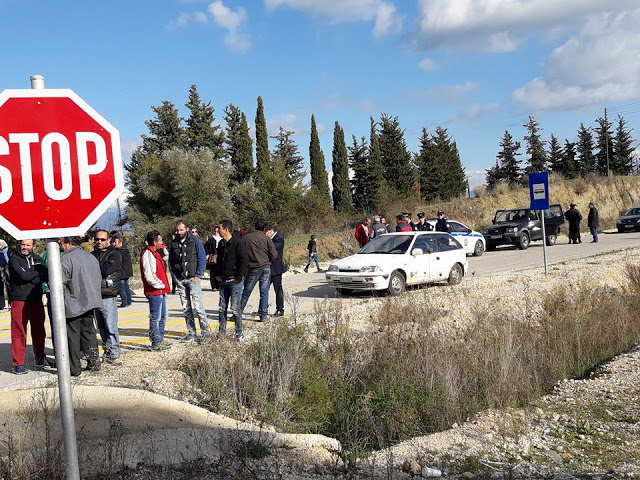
(59, 326)
(544, 242)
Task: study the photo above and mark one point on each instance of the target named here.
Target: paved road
(303, 290)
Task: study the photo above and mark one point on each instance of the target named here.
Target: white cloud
(383, 13)
(428, 65)
(599, 64)
(473, 112)
(224, 17)
(127, 147)
(445, 93)
(287, 121)
(501, 25)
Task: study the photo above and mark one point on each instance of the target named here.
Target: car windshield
(511, 215)
(632, 211)
(396, 244)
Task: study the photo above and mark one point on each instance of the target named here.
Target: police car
(473, 242)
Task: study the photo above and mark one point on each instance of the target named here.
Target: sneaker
(188, 339)
(306, 270)
(111, 361)
(161, 347)
(279, 313)
(44, 363)
(19, 369)
(239, 338)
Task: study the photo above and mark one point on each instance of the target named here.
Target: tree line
(598, 150)
(194, 169)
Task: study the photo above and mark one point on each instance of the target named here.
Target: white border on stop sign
(117, 165)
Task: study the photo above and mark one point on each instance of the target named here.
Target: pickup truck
(521, 226)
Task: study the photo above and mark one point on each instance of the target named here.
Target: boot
(306, 269)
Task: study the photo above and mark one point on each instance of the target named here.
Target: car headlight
(512, 229)
(370, 269)
(333, 268)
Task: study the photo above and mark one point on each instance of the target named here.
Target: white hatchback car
(392, 261)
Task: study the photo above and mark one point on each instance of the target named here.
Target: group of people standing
(367, 230)
(574, 217)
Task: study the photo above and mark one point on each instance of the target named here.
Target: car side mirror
(416, 251)
(493, 221)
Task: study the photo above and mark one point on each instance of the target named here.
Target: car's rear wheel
(479, 249)
(396, 283)
(455, 275)
(551, 239)
(343, 291)
(523, 244)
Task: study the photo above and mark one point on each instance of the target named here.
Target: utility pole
(606, 143)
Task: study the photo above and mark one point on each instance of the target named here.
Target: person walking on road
(187, 260)
(574, 218)
(27, 271)
(81, 280)
(231, 266)
(312, 247)
(261, 253)
(156, 287)
(593, 222)
(277, 266)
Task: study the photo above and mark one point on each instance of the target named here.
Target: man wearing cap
(422, 225)
(441, 224)
(574, 217)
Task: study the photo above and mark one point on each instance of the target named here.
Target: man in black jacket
(277, 266)
(26, 274)
(574, 217)
(593, 222)
(126, 295)
(231, 266)
(111, 269)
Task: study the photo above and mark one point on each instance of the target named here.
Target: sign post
(539, 191)
(60, 169)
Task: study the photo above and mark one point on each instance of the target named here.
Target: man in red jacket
(156, 287)
(362, 232)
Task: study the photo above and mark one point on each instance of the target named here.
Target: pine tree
(555, 156)
(360, 182)
(430, 169)
(263, 161)
(493, 176)
(340, 166)
(239, 146)
(287, 152)
(569, 160)
(604, 146)
(201, 131)
(622, 149)
(396, 159)
(509, 165)
(535, 147)
(378, 184)
(319, 177)
(584, 148)
(453, 183)
(166, 131)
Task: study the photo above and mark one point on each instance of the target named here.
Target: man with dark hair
(593, 222)
(362, 232)
(441, 224)
(187, 260)
(261, 253)
(156, 286)
(402, 223)
(574, 217)
(117, 240)
(422, 225)
(231, 267)
(111, 270)
(277, 266)
(26, 274)
(81, 280)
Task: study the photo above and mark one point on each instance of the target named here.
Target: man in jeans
(156, 286)
(230, 268)
(187, 260)
(261, 252)
(110, 267)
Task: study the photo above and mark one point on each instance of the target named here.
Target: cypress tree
(604, 146)
(429, 169)
(287, 152)
(396, 159)
(492, 176)
(569, 159)
(263, 161)
(376, 177)
(509, 164)
(584, 147)
(447, 161)
(340, 166)
(360, 183)
(201, 131)
(555, 155)
(239, 146)
(456, 180)
(319, 177)
(622, 149)
(535, 147)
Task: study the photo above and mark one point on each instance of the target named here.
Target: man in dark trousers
(277, 266)
(111, 270)
(593, 222)
(26, 274)
(126, 295)
(574, 218)
(231, 267)
(81, 280)
(441, 224)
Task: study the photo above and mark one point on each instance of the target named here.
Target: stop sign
(60, 164)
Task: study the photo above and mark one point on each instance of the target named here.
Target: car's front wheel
(455, 275)
(396, 283)
(523, 244)
(551, 240)
(479, 249)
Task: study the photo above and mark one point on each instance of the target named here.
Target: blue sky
(475, 67)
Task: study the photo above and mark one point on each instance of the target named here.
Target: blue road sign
(539, 190)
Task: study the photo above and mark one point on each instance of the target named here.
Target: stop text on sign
(50, 144)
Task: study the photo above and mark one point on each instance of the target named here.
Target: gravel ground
(588, 426)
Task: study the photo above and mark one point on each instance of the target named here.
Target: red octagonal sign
(60, 164)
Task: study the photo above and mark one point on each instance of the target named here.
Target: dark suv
(521, 226)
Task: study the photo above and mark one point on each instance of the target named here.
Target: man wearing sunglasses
(110, 268)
